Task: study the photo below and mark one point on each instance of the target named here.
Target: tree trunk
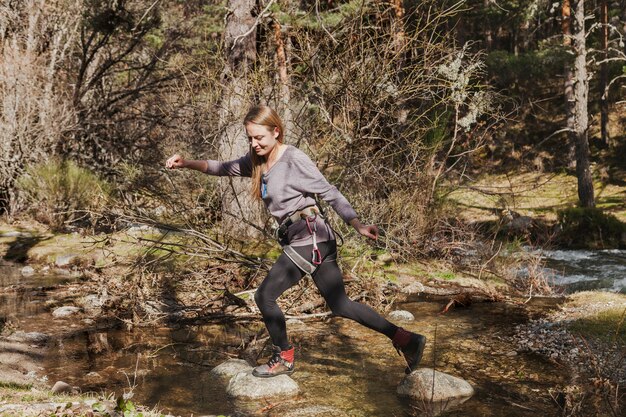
(239, 210)
(604, 75)
(568, 82)
(624, 22)
(282, 49)
(488, 33)
(399, 52)
(581, 91)
(399, 35)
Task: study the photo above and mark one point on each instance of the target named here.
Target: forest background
(405, 106)
(466, 130)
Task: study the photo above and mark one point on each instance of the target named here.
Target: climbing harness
(281, 231)
(308, 214)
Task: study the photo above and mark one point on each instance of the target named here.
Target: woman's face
(262, 139)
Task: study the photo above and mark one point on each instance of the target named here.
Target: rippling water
(579, 270)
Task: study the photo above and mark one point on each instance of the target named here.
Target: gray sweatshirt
(289, 186)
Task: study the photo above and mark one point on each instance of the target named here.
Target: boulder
(244, 385)
(401, 315)
(413, 288)
(61, 387)
(419, 385)
(230, 368)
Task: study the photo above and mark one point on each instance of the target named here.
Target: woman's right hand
(175, 162)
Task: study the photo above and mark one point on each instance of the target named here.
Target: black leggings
(328, 279)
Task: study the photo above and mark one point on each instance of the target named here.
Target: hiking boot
(280, 363)
(411, 345)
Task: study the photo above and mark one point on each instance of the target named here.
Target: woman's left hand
(370, 230)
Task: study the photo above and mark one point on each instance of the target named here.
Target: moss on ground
(608, 325)
(598, 315)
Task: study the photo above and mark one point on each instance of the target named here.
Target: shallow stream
(579, 270)
(340, 365)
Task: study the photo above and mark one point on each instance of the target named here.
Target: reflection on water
(341, 366)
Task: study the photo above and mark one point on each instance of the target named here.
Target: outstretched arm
(241, 167)
(178, 161)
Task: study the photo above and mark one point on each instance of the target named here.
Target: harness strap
(281, 230)
(302, 263)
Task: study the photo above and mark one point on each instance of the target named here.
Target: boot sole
(272, 375)
(418, 357)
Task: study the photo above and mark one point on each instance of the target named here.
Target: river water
(340, 365)
(579, 270)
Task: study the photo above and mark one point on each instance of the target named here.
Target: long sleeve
(311, 181)
(241, 167)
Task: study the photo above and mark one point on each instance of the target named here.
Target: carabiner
(316, 258)
(309, 220)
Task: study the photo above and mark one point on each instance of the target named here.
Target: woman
(286, 180)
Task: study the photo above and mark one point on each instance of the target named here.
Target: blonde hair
(264, 116)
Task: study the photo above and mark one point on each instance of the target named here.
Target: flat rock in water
(419, 385)
(32, 337)
(15, 233)
(401, 315)
(247, 386)
(65, 311)
(230, 368)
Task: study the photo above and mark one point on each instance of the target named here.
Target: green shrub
(62, 193)
(591, 228)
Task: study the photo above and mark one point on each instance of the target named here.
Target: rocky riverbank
(93, 286)
(587, 336)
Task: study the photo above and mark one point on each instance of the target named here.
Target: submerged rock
(401, 315)
(31, 337)
(65, 260)
(27, 271)
(65, 311)
(245, 385)
(419, 385)
(93, 303)
(308, 411)
(230, 368)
